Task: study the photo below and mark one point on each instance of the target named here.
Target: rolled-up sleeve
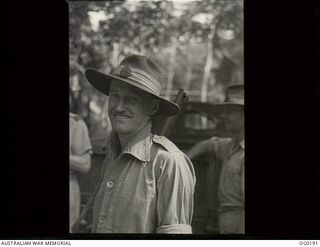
(175, 194)
(174, 229)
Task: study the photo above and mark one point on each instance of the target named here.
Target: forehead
(127, 89)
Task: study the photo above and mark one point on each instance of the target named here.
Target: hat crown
(142, 70)
(143, 63)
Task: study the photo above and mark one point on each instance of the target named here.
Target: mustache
(117, 112)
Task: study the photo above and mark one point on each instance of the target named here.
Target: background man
(147, 185)
(80, 157)
(231, 152)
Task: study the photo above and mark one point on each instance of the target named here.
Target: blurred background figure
(80, 155)
(230, 151)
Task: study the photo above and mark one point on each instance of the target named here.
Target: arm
(175, 186)
(200, 148)
(80, 163)
(80, 148)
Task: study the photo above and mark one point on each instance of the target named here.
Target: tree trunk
(210, 59)
(188, 73)
(207, 70)
(171, 68)
(115, 54)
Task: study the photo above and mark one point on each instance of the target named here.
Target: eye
(113, 96)
(133, 99)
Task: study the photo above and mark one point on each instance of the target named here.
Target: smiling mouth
(120, 116)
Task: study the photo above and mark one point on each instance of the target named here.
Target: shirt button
(109, 184)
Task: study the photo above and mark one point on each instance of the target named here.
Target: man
(230, 151)
(147, 185)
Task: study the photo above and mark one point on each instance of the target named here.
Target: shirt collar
(235, 146)
(140, 145)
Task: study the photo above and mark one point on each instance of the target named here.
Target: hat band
(146, 79)
(137, 75)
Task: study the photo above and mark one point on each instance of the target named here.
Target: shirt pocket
(139, 182)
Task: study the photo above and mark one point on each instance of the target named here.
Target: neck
(126, 138)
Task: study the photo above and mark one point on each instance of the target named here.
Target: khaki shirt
(231, 182)
(148, 188)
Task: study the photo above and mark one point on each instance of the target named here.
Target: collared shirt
(148, 188)
(231, 183)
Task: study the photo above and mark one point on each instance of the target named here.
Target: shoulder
(219, 141)
(165, 143)
(219, 146)
(166, 151)
(78, 125)
(75, 117)
(170, 157)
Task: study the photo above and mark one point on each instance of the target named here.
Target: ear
(155, 107)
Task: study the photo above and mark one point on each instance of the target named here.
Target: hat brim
(220, 107)
(102, 83)
(213, 109)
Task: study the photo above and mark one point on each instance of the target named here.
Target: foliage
(184, 38)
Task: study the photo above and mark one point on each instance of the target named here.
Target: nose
(119, 106)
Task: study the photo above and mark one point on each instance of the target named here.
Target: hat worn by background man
(234, 98)
(138, 71)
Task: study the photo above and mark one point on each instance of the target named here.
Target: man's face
(233, 119)
(129, 108)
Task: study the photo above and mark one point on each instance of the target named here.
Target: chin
(121, 129)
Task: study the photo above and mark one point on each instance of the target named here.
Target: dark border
(282, 112)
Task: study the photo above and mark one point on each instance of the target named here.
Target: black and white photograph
(156, 95)
(127, 120)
